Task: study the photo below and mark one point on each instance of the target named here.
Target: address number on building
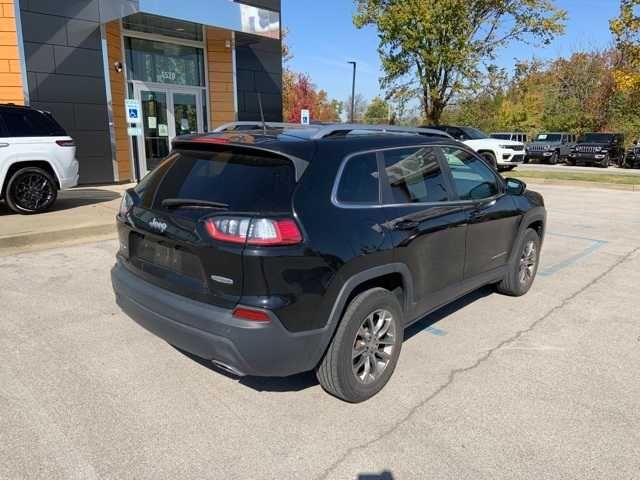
(168, 76)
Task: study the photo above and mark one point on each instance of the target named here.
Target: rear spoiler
(213, 144)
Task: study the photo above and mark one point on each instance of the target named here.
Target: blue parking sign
(132, 107)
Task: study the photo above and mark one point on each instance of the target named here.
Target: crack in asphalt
(459, 371)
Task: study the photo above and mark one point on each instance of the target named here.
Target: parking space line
(435, 331)
(596, 245)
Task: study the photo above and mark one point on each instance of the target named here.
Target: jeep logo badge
(158, 225)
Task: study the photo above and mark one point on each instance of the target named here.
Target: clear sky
(322, 38)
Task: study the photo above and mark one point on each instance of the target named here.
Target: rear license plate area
(167, 257)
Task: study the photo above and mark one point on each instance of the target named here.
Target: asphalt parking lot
(544, 386)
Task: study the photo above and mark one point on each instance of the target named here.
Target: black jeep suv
(281, 251)
(600, 149)
(632, 160)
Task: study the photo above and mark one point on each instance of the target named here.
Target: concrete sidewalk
(80, 215)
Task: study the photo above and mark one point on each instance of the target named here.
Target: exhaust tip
(227, 368)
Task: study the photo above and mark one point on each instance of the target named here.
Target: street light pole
(353, 92)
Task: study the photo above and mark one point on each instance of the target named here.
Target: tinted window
(501, 136)
(415, 176)
(244, 182)
(31, 123)
(359, 180)
(472, 178)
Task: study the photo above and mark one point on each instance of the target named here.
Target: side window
(29, 123)
(359, 180)
(415, 176)
(472, 178)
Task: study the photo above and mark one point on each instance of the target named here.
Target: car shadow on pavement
(302, 381)
(69, 199)
(386, 475)
(433, 318)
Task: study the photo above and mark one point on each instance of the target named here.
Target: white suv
(502, 154)
(37, 158)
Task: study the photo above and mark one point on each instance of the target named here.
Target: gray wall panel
(69, 88)
(40, 28)
(259, 70)
(66, 76)
(39, 57)
(63, 112)
(90, 117)
(81, 9)
(78, 61)
(83, 34)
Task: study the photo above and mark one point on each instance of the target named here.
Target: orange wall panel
(116, 80)
(220, 69)
(11, 85)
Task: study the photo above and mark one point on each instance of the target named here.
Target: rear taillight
(257, 231)
(66, 143)
(126, 204)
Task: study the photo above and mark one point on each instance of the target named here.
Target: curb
(55, 237)
(579, 183)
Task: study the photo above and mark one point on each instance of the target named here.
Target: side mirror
(515, 186)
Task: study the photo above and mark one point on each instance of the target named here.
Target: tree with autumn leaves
(586, 91)
(299, 93)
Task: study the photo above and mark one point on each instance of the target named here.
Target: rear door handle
(3, 145)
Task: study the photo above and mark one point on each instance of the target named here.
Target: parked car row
(590, 149)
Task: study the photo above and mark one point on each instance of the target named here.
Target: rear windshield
(243, 182)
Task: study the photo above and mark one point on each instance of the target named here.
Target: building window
(159, 62)
(142, 22)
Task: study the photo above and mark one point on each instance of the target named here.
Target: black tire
(513, 283)
(31, 190)
(605, 163)
(554, 159)
(336, 372)
(490, 158)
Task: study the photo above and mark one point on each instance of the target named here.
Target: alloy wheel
(528, 262)
(373, 346)
(32, 191)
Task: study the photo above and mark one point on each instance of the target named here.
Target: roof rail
(257, 124)
(328, 130)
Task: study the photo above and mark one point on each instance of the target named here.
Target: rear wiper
(188, 202)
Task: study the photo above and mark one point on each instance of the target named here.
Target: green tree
(377, 111)
(440, 45)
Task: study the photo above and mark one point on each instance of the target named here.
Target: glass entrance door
(185, 113)
(155, 142)
(167, 112)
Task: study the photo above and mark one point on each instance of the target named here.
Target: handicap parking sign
(132, 107)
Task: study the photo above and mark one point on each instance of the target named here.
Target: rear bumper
(248, 348)
(71, 176)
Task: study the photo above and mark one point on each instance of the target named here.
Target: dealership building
(191, 65)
